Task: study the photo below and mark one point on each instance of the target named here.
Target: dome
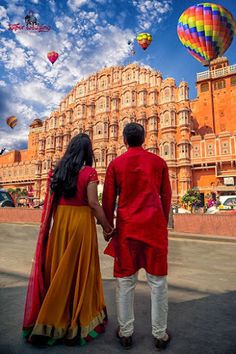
(36, 123)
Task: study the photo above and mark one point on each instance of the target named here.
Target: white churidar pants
(125, 304)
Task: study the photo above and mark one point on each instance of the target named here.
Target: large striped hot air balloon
(52, 56)
(11, 121)
(206, 30)
(144, 40)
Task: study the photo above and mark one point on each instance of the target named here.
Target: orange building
(197, 138)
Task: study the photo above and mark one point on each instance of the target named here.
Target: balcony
(213, 74)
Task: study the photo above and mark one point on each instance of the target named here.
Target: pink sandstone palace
(196, 138)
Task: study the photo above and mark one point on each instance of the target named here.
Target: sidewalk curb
(188, 236)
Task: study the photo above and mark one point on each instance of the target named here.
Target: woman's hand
(108, 235)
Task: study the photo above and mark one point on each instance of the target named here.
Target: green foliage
(191, 198)
(100, 198)
(17, 192)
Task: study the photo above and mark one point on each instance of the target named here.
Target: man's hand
(108, 236)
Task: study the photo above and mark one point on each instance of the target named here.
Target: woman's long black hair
(78, 153)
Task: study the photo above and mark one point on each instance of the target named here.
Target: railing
(216, 73)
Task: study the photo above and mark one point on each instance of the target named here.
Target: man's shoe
(161, 344)
(125, 342)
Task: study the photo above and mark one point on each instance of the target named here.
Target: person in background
(141, 181)
(212, 201)
(65, 300)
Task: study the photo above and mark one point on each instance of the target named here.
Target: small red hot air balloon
(52, 56)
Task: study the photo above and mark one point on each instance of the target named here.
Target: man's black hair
(134, 134)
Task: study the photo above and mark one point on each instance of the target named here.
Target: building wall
(215, 225)
(198, 149)
(218, 90)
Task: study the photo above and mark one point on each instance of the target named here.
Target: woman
(65, 294)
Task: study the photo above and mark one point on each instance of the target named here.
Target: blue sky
(88, 35)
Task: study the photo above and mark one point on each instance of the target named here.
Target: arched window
(116, 76)
(92, 84)
(103, 82)
(166, 93)
(99, 129)
(172, 152)
(79, 110)
(101, 104)
(166, 120)
(173, 118)
(142, 78)
(220, 84)
(233, 81)
(79, 91)
(128, 75)
(166, 150)
(97, 156)
(127, 98)
(103, 155)
(204, 87)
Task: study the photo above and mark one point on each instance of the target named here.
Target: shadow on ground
(200, 326)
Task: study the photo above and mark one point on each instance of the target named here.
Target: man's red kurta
(141, 181)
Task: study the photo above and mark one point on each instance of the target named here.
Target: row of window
(210, 149)
(18, 172)
(167, 95)
(217, 85)
(105, 81)
(167, 118)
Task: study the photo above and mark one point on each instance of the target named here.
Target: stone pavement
(202, 297)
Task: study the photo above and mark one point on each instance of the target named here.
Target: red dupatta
(36, 286)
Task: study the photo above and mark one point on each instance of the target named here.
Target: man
(30, 19)
(2, 151)
(141, 181)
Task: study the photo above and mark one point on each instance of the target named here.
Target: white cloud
(37, 92)
(76, 4)
(13, 57)
(15, 138)
(151, 11)
(2, 83)
(85, 43)
(16, 13)
(53, 6)
(4, 19)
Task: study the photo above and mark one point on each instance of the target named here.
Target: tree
(17, 192)
(100, 198)
(191, 199)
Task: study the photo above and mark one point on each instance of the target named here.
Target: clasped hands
(108, 235)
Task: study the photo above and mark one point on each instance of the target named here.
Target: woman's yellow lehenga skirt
(74, 307)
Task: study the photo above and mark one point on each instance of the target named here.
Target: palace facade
(196, 138)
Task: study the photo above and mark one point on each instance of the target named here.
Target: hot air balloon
(11, 121)
(52, 56)
(144, 40)
(206, 30)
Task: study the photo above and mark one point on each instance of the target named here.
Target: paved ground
(202, 297)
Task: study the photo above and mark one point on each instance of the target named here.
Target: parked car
(6, 200)
(227, 202)
(25, 201)
(212, 210)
